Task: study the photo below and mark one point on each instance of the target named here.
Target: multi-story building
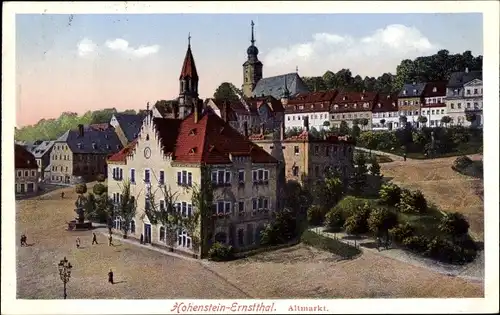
(42, 156)
(305, 157)
(27, 175)
(385, 113)
(315, 105)
(410, 100)
(434, 106)
(459, 84)
(473, 100)
(350, 106)
(81, 154)
(173, 153)
(254, 85)
(269, 109)
(126, 126)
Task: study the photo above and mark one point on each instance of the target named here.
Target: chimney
(262, 129)
(245, 129)
(306, 123)
(282, 131)
(223, 111)
(80, 130)
(466, 70)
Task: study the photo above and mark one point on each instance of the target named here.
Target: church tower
(252, 68)
(188, 84)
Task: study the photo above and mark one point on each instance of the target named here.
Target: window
(295, 171)
(459, 105)
(468, 91)
(316, 170)
(162, 234)
(132, 176)
(221, 177)
(241, 207)
(260, 175)
(452, 106)
(316, 149)
(296, 150)
(222, 207)
(476, 106)
(132, 226)
(161, 180)
(442, 111)
(241, 176)
(147, 178)
(184, 178)
(260, 204)
(254, 206)
(184, 240)
(241, 237)
(26, 173)
(162, 205)
(327, 151)
(433, 112)
(147, 203)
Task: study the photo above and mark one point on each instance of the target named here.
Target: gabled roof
(42, 149)
(188, 67)
(233, 108)
(458, 79)
(23, 158)
(274, 104)
(275, 86)
(311, 102)
(412, 90)
(210, 140)
(386, 103)
(435, 89)
(121, 156)
(353, 101)
(130, 124)
(105, 141)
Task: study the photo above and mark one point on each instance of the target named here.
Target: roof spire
(189, 39)
(253, 39)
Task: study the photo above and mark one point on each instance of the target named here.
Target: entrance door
(31, 187)
(147, 233)
(22, 189)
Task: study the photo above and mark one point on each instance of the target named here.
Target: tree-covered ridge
(437, 67)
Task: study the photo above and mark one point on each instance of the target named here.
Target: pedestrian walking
(77, 242)
(62, 195)
(110, 240)
(142, 238)
(110, 277)
(94, 238)
(379, 243)
(404, 156)
(23, 240)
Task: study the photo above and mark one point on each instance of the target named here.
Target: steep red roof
(353, 102)
(23, 158)
(386, 103)
(311, 102)
(188, 67)
(121, 156)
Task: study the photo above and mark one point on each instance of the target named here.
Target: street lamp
(64, 267)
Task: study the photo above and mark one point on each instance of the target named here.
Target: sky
(93, 61)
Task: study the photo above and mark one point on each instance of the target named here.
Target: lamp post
(64, 267)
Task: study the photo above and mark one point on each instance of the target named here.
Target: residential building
(172, 153)
(236, 113)
(269, 109)
(351, 106)
(473, 100)
(410, 99)
(305, 157)
(126, 126)
(81, 154)
(459, 84)
(314, 105)
(42, 156)
(254, 85)
(434, 106)
(26, 168)
(385, 113)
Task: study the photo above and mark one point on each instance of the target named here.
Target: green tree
(315, 215)
(127, 207)
(446, 120)
(99, 189)
(454, 224)
(81, 189)
(344, 128)
(422, 120)
(226, 91)
(382, 121)
(334, 220)
(282, 230)
(358, 181)
(357, 223)
(364, 122)
(470, 117)
(326, 124)
(390, 194)
(374, 166)
(165, 213)
(381, 221)
(101, 178)
(412, 202)
(402, 231)
(355, 131)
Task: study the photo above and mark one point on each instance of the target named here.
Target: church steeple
(188, 83)
(252, 68)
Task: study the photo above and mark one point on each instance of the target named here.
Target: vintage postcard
(281, 157)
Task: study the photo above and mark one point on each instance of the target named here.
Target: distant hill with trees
(422, 69)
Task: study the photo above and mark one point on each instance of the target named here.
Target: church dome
(252, 51)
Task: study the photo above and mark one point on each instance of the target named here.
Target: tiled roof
(311, 102)
(412, 90)
(273, 103)
(233, 108)
(435, 89)
(353, 102)
(92, 141)
(275, 86)
(121, 156)
(130, 124)
(43, 148)
(102, 126)
(23, 158)
(458, 79)
(386, 103)
(188, 67)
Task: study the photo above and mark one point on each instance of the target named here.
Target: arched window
(162, 234)
(132, 227)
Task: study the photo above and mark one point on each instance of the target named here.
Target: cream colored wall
(60, 167)
(21, 178)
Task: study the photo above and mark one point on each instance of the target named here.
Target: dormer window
(415, 91)
(192, 132)
(79, 145)
(434, 90)
(335, 106)
(135, 135)
(404, 92)
(379, 105)
(362, 97)
(108, 147)
(355, 105)
(344, 98)
(94, 145)
(118, 146)
(345, 105)
(192, 151)
(393, 104)
(147, 137)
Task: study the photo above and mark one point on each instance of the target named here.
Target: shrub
(99, 189)
(101, 178)
(416, 243)
(315, 215)
(81, 189)
(454, 224)
(357, 223)
(412, 202)
(334, 220)
(350, 205)
(329, 244)
(221, 252)
(390, 194)
(449, 252)
(461, 163)
(381, 220)
(401, 232)
(282, 230)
